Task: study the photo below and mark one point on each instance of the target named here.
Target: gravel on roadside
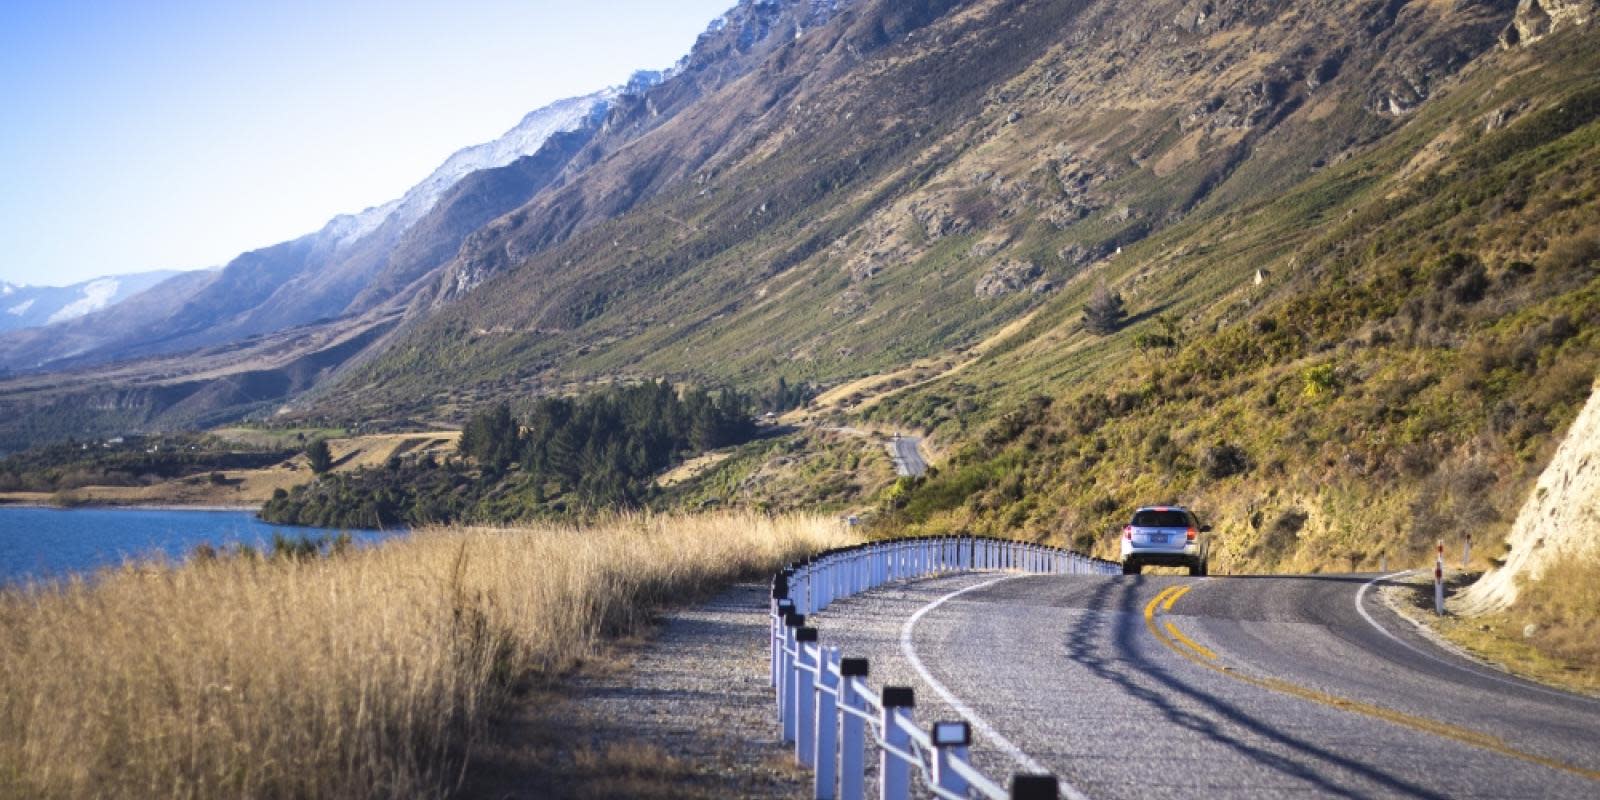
(685, 712)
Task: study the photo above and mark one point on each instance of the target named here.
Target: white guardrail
(826, 706)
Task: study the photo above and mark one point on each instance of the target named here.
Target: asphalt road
(907, 454)
(1261, 687)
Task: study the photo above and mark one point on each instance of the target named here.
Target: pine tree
(319, 455)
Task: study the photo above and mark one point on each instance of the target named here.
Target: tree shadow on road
(1086, 645)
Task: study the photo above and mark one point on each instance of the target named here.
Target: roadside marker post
(805, 697)
(852, 731)
(827, 745)
(1466, 551)
(950, 741)
(791, 674)
(1438, 581)
(894, 773)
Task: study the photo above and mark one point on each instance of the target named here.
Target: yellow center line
(1193, 645)
(1171, 594)
(1173, 598)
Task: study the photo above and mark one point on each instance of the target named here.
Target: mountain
(1355, 242)
(329, 273)
(35, 306)
(356, 278)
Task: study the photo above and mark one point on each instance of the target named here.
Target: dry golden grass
(363, 675)
(1551, 634)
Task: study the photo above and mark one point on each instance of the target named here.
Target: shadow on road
(1086, 643)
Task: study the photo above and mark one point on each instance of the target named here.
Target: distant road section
(907, 454)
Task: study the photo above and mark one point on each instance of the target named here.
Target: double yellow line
(1183, 645)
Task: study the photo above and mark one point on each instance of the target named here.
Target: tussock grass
(369, 674)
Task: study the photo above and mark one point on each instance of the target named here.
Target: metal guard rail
(825, 704)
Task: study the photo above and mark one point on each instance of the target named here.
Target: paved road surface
(1261, 687)
(907, 454)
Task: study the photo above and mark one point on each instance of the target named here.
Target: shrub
(1224, 460)
(1104, 313)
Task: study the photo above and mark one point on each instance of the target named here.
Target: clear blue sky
(146, 134)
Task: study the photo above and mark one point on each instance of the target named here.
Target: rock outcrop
(1536, 19)
(1559, 521)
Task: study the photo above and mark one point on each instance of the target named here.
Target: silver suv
(1165, 536)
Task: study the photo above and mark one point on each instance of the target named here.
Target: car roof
(1160, 508)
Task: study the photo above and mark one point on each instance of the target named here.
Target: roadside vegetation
(337, 672)
(1550, 634)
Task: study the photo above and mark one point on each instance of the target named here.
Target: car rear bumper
(1162, 556)
(1161, 559)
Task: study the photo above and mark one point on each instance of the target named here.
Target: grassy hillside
(864, 199)
(369, 673)
(1427, 323)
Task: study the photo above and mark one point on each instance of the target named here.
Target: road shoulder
(683, 713)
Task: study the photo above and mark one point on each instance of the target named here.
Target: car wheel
(1130, 568)
(1197, 568)
(1205, 568)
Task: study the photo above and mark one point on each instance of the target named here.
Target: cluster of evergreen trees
(597, 451)
(603, 449)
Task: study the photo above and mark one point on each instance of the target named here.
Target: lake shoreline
(10, 501)
(44, 543)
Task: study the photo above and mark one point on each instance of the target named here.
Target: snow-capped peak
(6, 289)
(524, 139)
(96, 294)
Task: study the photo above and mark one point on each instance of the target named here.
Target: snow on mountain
(522, 140)
(96, 294)
(33, 306)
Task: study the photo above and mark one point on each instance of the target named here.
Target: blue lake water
(45, 543)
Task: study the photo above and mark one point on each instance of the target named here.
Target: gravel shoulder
(685, 712)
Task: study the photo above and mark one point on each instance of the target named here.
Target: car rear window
(1160, 519)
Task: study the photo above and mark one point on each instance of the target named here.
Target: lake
(43, 543)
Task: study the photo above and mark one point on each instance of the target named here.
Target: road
(1261, 687)
(907, 454)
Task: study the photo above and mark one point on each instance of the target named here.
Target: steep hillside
(1380, 357)
(908, 177)
(1359, 260)
(344, 287)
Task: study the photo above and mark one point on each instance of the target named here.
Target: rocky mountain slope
(1359, 261)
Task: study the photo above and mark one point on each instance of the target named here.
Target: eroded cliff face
(1559, 521)
(1536, 19)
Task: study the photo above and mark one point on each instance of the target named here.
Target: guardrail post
(785, 608)
(1035, 787)
(950, 740)
(786, 682)
(852, 731)
(805, 697)
(894, 774)
(827, 751)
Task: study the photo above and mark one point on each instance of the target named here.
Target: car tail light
(1127, 532)
(1191, 534)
